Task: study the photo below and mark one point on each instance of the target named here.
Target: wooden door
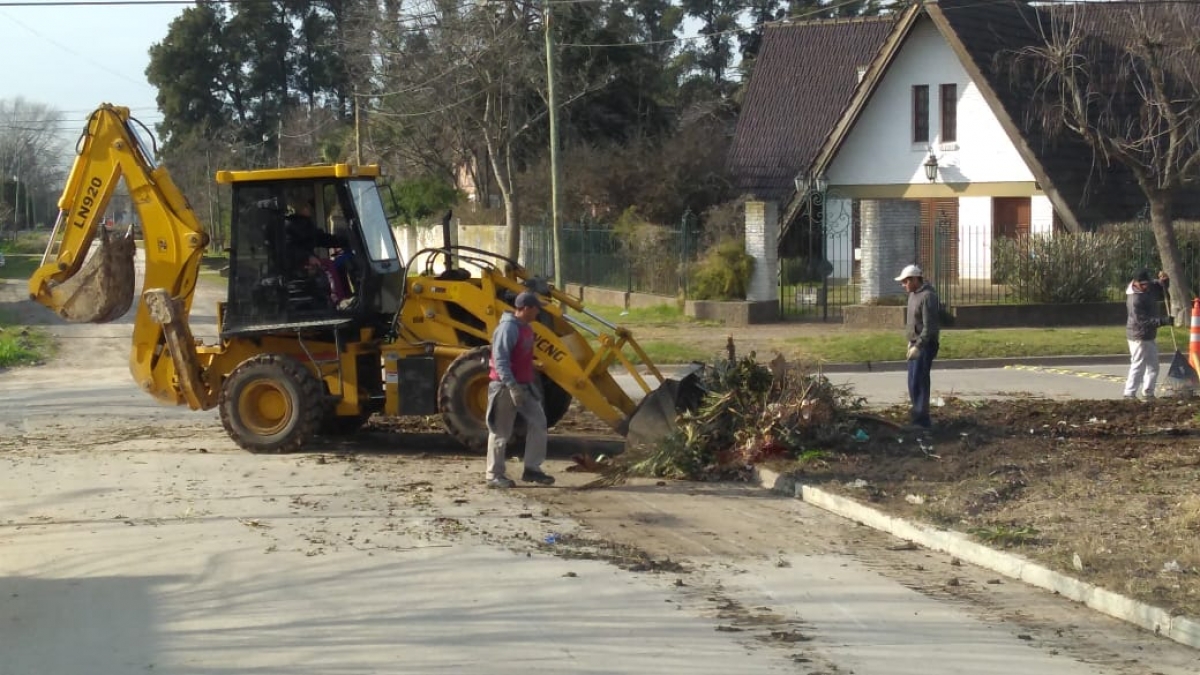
(1011, 217)
(938, 240)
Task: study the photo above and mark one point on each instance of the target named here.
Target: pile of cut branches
(751, 412)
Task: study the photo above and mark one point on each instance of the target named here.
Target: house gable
(879, 149)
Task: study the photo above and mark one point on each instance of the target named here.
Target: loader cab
(310, 250)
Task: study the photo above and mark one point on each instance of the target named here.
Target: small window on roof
(920, 112)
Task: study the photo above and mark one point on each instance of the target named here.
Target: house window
(920, 109)
(949, 113)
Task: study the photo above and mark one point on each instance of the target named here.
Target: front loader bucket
(655, 417)
(102, 290)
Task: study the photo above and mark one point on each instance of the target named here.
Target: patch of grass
(23, 346)
(658, 315)
(812, 455)
(674, 352)
(864, 346)
(19, 266)
(32, 243)
(1005, 535)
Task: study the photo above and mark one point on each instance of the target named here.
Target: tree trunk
(1162, 222)
(503, 177)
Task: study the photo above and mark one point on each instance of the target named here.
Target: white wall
(1041, 215)
(411, 239)
(879, 148)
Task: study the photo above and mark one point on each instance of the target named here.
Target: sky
(73, 58)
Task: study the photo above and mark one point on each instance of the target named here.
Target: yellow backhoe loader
(324, 324)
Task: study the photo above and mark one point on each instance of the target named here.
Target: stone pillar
(762, 244)
(889, 242)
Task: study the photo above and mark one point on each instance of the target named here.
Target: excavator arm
(87, 273)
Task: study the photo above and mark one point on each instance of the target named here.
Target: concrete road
(135, 538)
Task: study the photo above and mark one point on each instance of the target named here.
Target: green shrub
(1065, 268)
(650, 251)
(723, 273)
(419, 199)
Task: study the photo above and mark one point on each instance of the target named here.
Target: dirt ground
(1104, 491)
(1112, 482)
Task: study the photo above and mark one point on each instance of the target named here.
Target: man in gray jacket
(1141, 330)
(924, 336)
(515, 389)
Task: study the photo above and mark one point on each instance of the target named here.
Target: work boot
(535, 476)
(500, 483)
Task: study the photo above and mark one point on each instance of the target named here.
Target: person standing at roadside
(924, 335)
(513, 389)
(1141, 330)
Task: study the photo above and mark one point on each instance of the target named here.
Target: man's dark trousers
(918, 384)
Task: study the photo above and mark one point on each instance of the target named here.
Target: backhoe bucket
(102, 290)
(655, 417)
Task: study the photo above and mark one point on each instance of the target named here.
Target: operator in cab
(309, 251)
(302, 237)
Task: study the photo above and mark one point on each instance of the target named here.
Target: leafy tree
(190, 68)
(420, 198)
(712, 55)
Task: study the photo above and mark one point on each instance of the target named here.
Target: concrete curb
(1178, 628)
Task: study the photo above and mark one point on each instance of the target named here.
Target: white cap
(910, 271)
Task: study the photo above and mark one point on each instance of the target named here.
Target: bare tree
(31, 156)
(1125, 77)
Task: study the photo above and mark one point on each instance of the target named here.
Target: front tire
(271, 403)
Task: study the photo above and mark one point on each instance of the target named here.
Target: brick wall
(762, 237)
(888, 244)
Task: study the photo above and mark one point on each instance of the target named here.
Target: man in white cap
(921, 326)
(514, 389)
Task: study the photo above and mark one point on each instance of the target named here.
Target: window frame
(948, 98)
(920, 113)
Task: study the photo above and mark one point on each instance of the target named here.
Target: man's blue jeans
(918, 384)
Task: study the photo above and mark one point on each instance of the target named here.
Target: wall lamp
(931, 168)
(805, 184)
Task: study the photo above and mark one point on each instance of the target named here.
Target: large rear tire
(271, 404)
(462, 400)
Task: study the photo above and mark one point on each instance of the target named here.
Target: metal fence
(646, 259)
(969, 260)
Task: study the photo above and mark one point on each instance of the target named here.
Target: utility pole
(552, 103)
(17, 197)
(357, 132)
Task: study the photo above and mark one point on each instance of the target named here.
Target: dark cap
(1144, 275)
(527, 299)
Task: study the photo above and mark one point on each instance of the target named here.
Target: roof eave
(1065, 212)
(862, 94)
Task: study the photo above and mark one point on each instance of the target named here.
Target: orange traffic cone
(1194, 341)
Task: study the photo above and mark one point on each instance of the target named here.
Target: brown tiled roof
(805, 76)
(994, 32)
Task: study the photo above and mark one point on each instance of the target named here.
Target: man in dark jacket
(924, 337)
(1141, 330)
